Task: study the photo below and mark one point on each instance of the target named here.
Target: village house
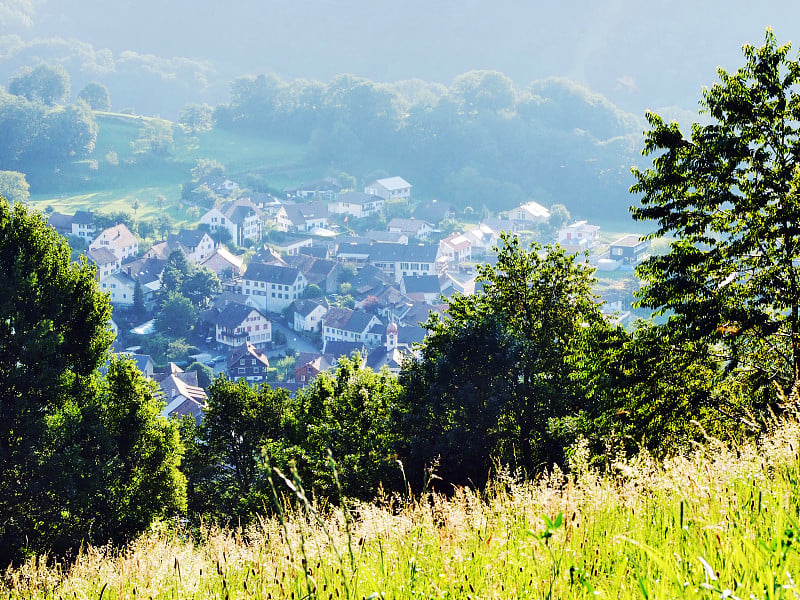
(120, 287)
(119, 240)
(629, 249)
(182, 393)
(483, 238)
(389, 188)
(241, 218)
(346, 325)
(83, 224)
(307, 314)
(579, 236)
(356, 204)
(273, 287)
(303, 217)
(457, 248)
(249, 363)
(105, 261)
(224, 263)
(317, 271)
(308, 366)
(147, 272)
(530, 212)
(239, 323)
(415, 228)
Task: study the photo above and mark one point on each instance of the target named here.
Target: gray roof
(306, 307)
(190, 238)
(358, 198)
(337, 349)
(83, 217)
(145, 270)
(424, 253)
(246, 349)
(234, 315)
(271, 273)
(422, 284)
(101, 256)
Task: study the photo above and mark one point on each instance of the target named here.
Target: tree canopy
(83, 458)
(729, 195)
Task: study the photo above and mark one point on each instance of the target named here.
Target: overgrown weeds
(718, 522)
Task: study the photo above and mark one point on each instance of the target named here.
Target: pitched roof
(337, 349)
(393, 183)
(190, 238)
(307, 306)
(422, 284)
(358, 198)
(234, 315)
(60, 222)
(337, 317)
(425, 253)
(119, 235)
(408, 224)
(101, 256)
(246, 350)
(83, 217)
(271, 273)
(145, 270)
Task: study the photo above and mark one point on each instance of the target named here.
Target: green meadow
(117, 175)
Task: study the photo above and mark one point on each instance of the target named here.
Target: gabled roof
(432, 211)
(358, 198)
(336, 349)
(271, 273)
(424, 253)
(145, 270)
(392, 183)
(234, 315)
(387, 237)
(60, 222)
(306, 306)
(408, 224)
(227, 256)
(83, 217)
(338, 317)
(317, 361)
(457, 241)
(422, 284)
(246, 350)
(101, 256)
(190, 238)
(118, 235)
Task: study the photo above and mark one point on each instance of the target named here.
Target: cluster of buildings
(393, 278)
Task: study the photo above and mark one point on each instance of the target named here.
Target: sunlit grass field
(115, 175)
(717, 523)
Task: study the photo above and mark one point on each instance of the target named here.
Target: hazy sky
(639, 53)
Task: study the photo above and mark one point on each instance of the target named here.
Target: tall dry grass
(716, 522)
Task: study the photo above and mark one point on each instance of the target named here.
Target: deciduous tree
(729, 195)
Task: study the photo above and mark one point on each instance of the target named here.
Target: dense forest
(481, 142)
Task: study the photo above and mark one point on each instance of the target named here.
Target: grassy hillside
(116, 174)
(719, 523)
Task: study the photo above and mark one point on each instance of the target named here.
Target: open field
(718, 523)
(116, 175)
